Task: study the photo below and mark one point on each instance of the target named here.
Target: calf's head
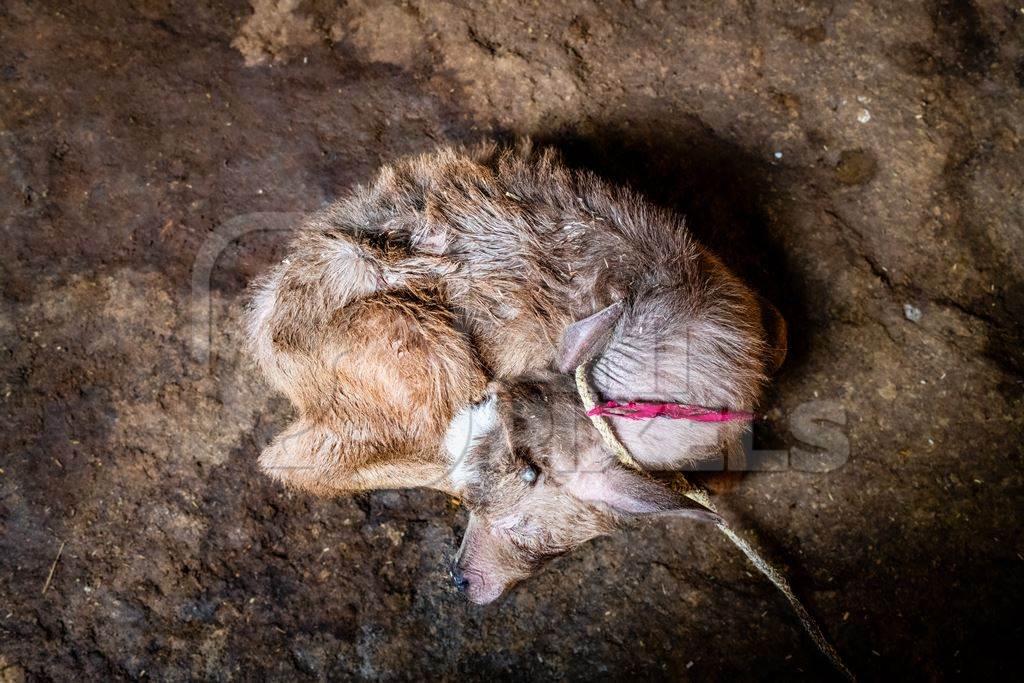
(538, 483)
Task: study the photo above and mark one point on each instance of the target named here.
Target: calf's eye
(528, 474)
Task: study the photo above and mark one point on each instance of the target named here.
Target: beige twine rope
(701, 496)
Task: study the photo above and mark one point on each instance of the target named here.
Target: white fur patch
(261, 308)
(467, 427)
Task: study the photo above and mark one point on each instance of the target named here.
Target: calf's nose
(459, 579)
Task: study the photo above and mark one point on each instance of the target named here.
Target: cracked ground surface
(859, 162)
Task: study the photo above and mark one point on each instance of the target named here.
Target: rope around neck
(699, 495)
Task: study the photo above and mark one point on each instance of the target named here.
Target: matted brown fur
(398, 304)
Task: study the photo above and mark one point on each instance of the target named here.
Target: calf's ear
(631, 493)
(582, 340)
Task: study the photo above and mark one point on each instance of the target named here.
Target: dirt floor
(860, 163)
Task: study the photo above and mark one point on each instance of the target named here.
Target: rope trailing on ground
(701, 496)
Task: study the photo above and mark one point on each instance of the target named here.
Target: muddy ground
(860, 163)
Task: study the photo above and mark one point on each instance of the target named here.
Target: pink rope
(641, 410)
